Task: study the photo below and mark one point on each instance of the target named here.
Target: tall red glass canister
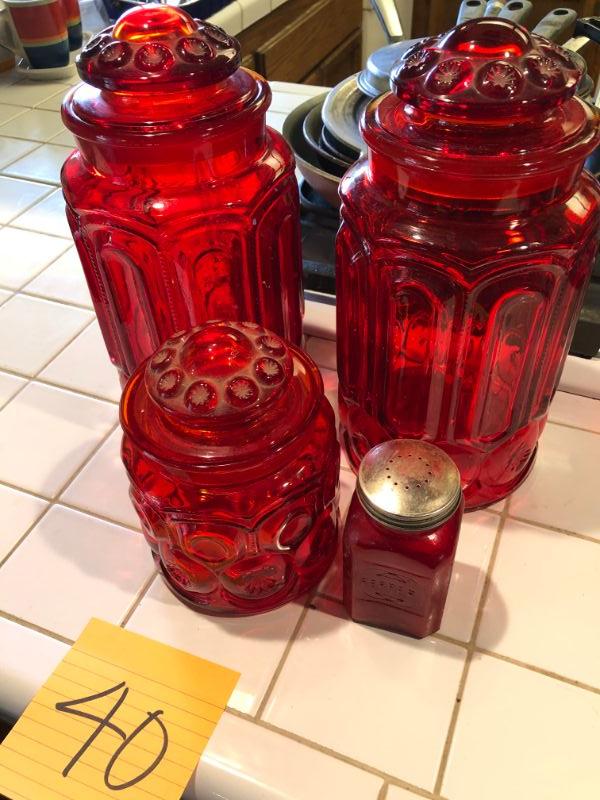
(183, 204)
(468, 237)
(232, 454)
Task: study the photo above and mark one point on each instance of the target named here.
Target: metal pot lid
(342, 110)
(375, 78)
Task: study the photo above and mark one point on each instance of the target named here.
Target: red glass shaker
(468, 238)
(183, 204)
(233, 459)
(400, 537)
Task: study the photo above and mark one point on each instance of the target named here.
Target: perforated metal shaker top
(409, 484)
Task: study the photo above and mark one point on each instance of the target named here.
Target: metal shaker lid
(409, 484)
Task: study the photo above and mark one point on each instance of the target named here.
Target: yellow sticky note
(122, 716)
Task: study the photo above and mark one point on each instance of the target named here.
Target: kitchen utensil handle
(494, 7)
(555, 23)
(470, 9)
(390, 21)
(517, 11)
(588, 26)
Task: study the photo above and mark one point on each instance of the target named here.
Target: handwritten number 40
(153, 718)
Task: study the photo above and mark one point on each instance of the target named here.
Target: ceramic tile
(382, 699)
(331, 584)
(572, 409)
(60, 428)
(284, 102)
(12, 149)
(43, 164)
(251, 645)
(229, 18)
(62, 280)
(253, 10)
(48, 216)
(521, 735)
(35, 124)
(276, 3)
(55, 102)
(65, 138)
(85, 366)
(304, 89)
(102, 487)
(19, 512)
(477, 534)
(291, 771)
(26, 659)
(9, 386)
(330, 384)
(4, 295)
(10, 112)
(30, 93)
(322, 351)
(25, 254)
(83, 568)
(16, 196)
(396, 793)
(32, 331)
(544, 606)
(561, 491)
(276, 120)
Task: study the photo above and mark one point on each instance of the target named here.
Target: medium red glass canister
(232, 454)
(468, 237)
(183, 204)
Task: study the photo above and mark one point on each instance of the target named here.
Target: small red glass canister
(468, 237)
(400, 537)
(183, 204)
(231, 450)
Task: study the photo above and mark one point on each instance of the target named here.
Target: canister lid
(222, 393)
(219, 370)
(408, 484)
(158, 46)
(483, 68)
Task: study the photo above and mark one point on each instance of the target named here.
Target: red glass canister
(183, 204)
(232, 454)
(468, 238)
(400, 537)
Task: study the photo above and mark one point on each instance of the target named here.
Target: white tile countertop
(503, 703)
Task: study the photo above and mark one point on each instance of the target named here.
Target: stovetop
(320, 222)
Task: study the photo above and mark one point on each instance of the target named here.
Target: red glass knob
(158, 46)
(221, 369)
(483, 68)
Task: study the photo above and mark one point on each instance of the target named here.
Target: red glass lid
(158, 45)
(220, 390)
(221, 370)
(485, 67)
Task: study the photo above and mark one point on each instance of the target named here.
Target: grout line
(37, 628)
(469, 657)
(36, 146)
(12, 223)
(575, 427)
(102, 517)
(282, 660)
(83, 392)
(586, 537)
(382, 794)
(539, 670)
(58, 301)
(31, 205)
(139, 597)
(328, 751)
(29, 492)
